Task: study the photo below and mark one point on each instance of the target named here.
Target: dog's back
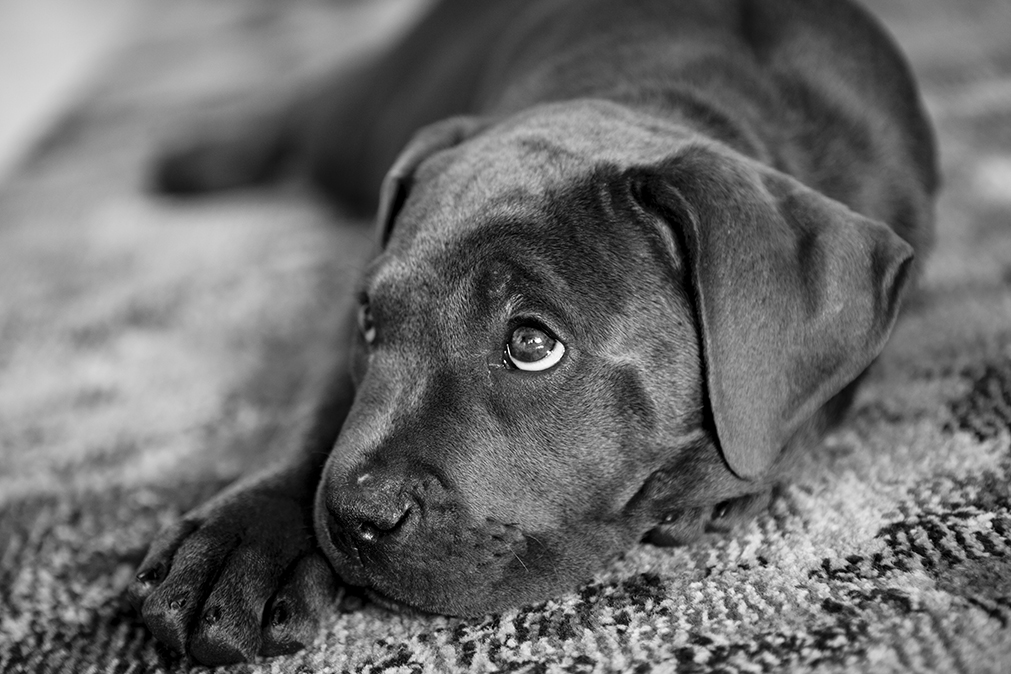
(815, 88)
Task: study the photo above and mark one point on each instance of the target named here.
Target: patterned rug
(151, 351)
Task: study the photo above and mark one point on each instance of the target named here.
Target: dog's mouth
(456, 585)
(458, 567)
(387, 602)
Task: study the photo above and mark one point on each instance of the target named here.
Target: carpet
(152, 350)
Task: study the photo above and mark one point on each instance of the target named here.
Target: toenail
(149, 576)
(279, 616)
(177, 604)
(212, 615)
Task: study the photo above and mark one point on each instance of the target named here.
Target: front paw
(685, 525)
(238, 577)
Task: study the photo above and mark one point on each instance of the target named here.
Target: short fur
(713, 204)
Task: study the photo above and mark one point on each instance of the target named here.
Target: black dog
(637, 259)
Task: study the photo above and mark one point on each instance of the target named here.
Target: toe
(156, 565)
(171, 608)
(292, 619)
(214, 644)
(232, 618)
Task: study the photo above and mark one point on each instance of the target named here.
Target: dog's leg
(242, 574)
(287, 130)
(237, 151)
(345, 129)
(685, 525)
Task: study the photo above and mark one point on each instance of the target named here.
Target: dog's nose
(370, 509)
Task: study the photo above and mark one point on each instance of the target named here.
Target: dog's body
(636, 266)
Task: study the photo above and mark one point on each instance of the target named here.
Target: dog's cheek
(612, 441)
(542, 458)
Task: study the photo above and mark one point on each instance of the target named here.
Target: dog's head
(583, 326)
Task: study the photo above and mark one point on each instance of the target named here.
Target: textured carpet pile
(151, 351)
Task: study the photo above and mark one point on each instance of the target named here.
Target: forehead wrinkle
(525, 158)
(512, 304)
(423, 299)
(530, 282)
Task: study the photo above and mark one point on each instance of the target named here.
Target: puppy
(633, 256)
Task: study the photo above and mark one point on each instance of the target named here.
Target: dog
(633, 258)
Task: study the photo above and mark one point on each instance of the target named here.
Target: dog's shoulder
(760, 65)
(842, 53)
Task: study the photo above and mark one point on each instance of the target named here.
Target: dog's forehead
(517, 162)
(498, 205)
(588, 131)
(476, 274)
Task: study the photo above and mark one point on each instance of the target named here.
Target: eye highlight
(366, 324)
(533, 350)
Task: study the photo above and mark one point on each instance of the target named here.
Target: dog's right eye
(533, 350)
(366, 324)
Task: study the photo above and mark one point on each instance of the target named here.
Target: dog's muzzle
(405, 536)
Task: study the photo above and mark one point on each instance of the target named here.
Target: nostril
(372, 528)
(368, 532)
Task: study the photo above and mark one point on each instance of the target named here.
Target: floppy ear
(795, 293)
(426, 141)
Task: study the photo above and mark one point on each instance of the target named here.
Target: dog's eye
(366, 324)
(533, 350)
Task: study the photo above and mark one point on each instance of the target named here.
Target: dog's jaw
(474, 569)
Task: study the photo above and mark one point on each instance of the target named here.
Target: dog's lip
(352, 570)
(355, 569)
(393, 604)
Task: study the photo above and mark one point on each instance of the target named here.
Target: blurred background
(48, 49)
(51, 50)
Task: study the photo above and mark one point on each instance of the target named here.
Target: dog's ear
(795, 293)
(426, 141)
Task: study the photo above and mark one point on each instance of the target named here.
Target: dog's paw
(682, 527)
(243, 148)
(239, 577)
(215, 163)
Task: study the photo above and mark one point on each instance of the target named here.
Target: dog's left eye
(533, 350)
(366, 323)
